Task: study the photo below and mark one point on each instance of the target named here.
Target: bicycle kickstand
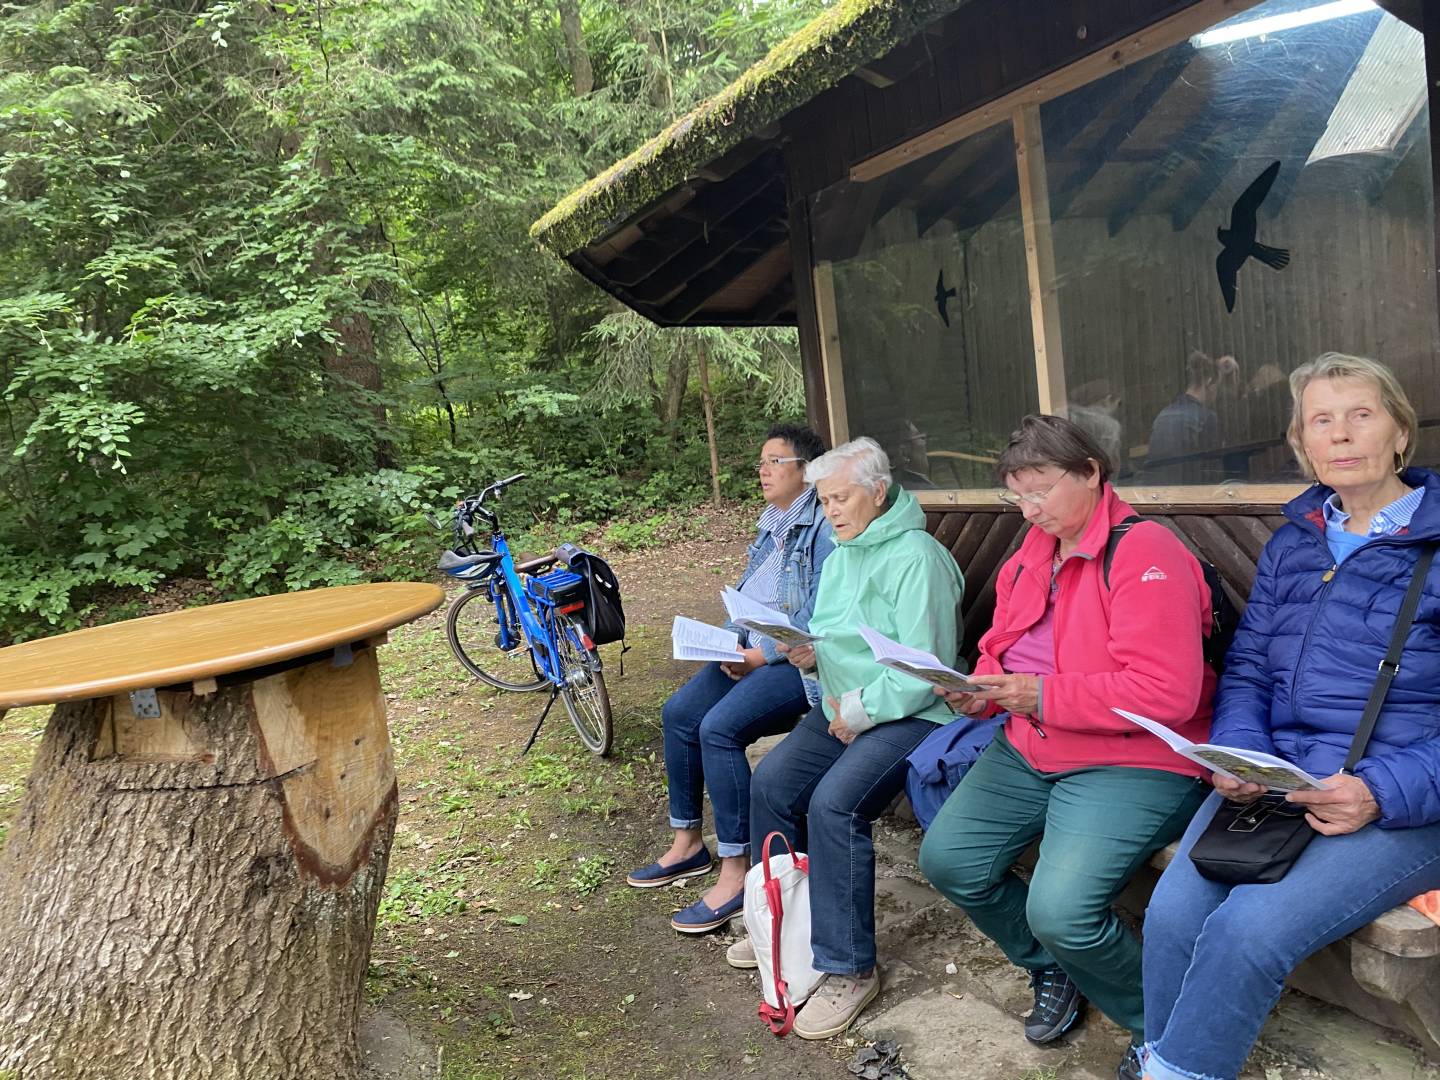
(554, 693)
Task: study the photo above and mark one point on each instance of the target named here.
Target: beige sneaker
(741, 954)
(835, 1003)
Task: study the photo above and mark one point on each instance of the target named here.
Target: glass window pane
(923, 273)
(1277, 165)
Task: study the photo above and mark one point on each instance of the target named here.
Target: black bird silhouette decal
(942, 297)
(1239, 243)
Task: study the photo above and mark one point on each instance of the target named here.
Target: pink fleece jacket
(1135, 645)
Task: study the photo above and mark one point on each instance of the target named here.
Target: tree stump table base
(193, 895)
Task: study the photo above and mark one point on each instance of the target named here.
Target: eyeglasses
(1032, 498)
(774, 462)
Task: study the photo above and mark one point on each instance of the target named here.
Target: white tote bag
(777, 918)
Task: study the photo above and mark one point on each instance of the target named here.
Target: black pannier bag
(604, 614)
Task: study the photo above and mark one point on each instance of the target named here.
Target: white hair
(867, 464)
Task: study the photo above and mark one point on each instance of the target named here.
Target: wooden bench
(1388, 972)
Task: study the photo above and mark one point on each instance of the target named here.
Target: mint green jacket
(896, 578)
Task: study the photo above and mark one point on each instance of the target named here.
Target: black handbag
(1256, 843)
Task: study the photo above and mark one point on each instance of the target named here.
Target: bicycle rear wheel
(583, 691)
(473, 626)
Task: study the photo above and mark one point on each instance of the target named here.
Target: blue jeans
(824, 796)
(708, 723)
(1217, 956)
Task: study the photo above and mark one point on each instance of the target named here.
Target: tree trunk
(657, 83)
(677, 381)
(582, 73)
(194, 895)
(709, 406)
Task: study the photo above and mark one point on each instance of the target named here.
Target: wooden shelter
(974, 209)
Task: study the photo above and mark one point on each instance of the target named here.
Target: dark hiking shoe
(1057, 1005)
(1131, 1065)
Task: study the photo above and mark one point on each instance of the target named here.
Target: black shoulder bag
(1256, 843)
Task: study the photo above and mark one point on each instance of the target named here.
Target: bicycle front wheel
(583, 688)
(473, 628)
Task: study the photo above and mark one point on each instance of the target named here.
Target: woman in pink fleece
(1103, 795)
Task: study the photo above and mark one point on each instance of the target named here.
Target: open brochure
(758, 617)
(691, 639)
(917, 662)
(1248, 766)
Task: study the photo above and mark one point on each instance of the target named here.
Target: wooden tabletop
(200, 643)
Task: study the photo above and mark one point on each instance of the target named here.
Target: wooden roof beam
(698, 292)
(782, 298)
(689, 224)
(758, 214)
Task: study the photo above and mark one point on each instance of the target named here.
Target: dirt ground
(508, 943)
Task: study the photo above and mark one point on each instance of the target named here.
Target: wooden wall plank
(1004, 528)
(976, 528)
(948, 528)
(1249, 532)
(980, 611)
(1237, 568)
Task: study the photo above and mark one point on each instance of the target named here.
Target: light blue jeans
(1217, 956)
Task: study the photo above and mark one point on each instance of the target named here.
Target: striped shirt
(1387, 522)
(763, 585)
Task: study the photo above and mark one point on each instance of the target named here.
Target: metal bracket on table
(344, 656)
(144, 704)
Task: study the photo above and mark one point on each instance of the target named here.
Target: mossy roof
(846, 37)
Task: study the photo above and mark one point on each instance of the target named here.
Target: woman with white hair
(830, 778)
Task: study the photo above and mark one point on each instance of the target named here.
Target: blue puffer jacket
(1306, 652)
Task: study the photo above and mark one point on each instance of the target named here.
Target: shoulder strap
(1390, 666)
(1116, 532)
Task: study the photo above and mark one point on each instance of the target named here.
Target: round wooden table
(191, 884)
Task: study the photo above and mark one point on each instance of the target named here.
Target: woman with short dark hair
(1065, 646)
(710, 720)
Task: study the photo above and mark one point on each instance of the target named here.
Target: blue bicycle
(515, 626)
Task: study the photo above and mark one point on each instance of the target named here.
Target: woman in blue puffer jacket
(1327, 592)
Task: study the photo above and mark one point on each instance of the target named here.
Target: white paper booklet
(691, 639)
(753, 615)
(917, 662)
(1250, 766)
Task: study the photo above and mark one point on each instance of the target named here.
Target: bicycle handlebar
(475, 504)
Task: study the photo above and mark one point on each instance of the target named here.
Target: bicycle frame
(524, 610)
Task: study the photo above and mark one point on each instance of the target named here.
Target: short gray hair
(869, 465)
(1335, 365)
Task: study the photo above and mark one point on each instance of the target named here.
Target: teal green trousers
(1099, 825)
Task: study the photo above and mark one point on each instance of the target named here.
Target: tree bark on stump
(194, 895)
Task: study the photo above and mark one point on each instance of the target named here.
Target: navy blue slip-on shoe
(655, 875)
(700, 916)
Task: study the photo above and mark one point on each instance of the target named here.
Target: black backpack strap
(1116, 532)
(1390, 666)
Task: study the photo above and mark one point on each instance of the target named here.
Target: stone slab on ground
(949, 1036)
(1313, 1039)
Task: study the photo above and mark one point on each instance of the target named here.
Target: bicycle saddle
(450, 562)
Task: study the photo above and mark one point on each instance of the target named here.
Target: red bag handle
(781, 1018)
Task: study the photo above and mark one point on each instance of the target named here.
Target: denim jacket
(809, 542)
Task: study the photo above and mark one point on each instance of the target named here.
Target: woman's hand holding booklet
(761, 619)
(922, 665)
(1243, 766)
